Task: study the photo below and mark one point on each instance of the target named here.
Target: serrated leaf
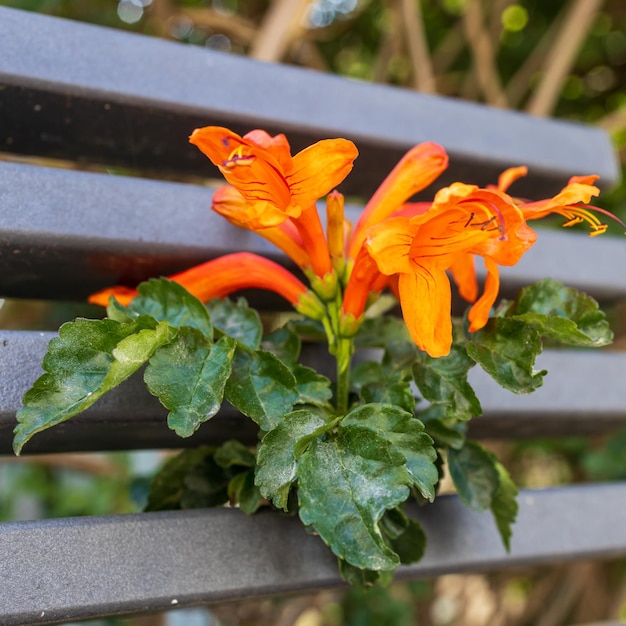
(474, 474)
(444, 381)
(261, 387)
(504, 504)
(398, 393)
(345, 484)
(312, 388)
(188, 376)
(285, 343)
(506, 349)
(406, 435)
(562, 313)
(166, 300)
(237, 320)
(232, 453)
(276, 462)
(243, 491)
(167, 487)
(86, 360)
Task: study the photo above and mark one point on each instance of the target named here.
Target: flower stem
(344, 354)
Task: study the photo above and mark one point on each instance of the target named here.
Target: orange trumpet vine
(223, 276)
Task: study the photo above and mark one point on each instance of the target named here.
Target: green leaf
(285, 343)
(379, 331)
(562, 313)
(405, 435)
(405, 536)
(166, 300)
(474, 474)
(243, 491)
(358, 577)
(504, 504)
(167, 487)
(444, 381)
(345, 484)
(506, 349)
(87, 359)
(234, 453)
(398, 393)
(205, 485)
(188, 377)
(364, 373)
(444, 434)
(312, 388)
(276, 463)
(237, 320)
(261, 387)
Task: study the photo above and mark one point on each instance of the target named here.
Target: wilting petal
(479, 313)
(425, 298)
(221, 277)
(419, 167)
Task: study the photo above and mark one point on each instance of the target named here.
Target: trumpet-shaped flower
(223, 276)
(463, 221)
(278, 186)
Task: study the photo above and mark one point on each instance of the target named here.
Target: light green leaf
(86, 360)
(506, 349)
(261, 387)
(166, 300)
(406, 435)
(276, 462)
(188, 377)
(562, 313)
(474, 474)
(237, 320)
(312, 388)
(444, 381)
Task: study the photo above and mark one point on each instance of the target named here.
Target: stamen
(498, 217)
(237, 157)
(469, 221)
(573, 221)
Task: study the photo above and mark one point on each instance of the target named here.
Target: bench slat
(85, 567)
(65, 234)
(582, 394)
(111, 97)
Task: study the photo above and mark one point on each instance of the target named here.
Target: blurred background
(564, 59)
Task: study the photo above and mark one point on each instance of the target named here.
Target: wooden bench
(96, 98)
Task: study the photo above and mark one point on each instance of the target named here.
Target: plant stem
(343, 356)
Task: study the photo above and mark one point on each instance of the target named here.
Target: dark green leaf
(404, 535)
(562, 313)
(165, 300)
(312, 388)
(276, 463)
(406, 436)
(87, 359)
(232, 453)
(261, 387)
(474, 474)
(504, 504)
(285, 344)
(364, 373)
(444, 434)
(398, 393)
(237, 320)
(243, 491)
(358, 577)
(205, 485)
(379, 331)
(167, 487)
(506, 349)
(444, 381)
(188, 376)
(345, 484)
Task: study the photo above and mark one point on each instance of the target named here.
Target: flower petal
(389, 243)
(479, 313)
(463, 272)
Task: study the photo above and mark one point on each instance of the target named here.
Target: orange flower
(572, 202)
(417, 169)
(278, 186)
(463, 221)
(222, 276)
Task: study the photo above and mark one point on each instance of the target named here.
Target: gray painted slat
(107, 96)
(582, 394)
(65, 234)
(84, 567)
